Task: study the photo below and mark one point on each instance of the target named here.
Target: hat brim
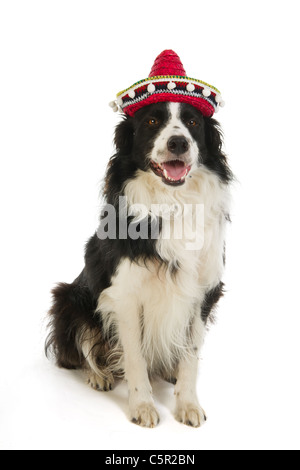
(202, 105)
(176, 89)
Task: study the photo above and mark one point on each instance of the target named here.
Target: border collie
(140, 307)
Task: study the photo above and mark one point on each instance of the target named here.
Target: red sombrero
(168, 82)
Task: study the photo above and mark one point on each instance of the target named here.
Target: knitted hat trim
(168, 78)
(206, 108)
(161, 88)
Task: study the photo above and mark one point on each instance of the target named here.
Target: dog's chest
(164, 298)
(160, 303)
(191, 241)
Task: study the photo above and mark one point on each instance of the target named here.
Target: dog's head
(171, 140)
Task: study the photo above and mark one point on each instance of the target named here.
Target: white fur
(188, 409)
(156, 313)
(174, 127)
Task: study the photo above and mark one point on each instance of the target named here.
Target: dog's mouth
(172, 172)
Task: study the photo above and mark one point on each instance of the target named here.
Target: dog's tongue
(175, 169)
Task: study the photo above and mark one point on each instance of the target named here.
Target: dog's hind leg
(101, 383)
(94, 350)
(71, 311)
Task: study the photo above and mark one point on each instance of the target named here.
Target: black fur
(74, 304)
(211, 299)
(73, 309)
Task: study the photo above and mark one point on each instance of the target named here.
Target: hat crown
(167, 63)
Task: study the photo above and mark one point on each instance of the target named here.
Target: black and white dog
(139, 308)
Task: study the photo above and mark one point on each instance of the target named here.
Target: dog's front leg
(188, 409)
(141, 405)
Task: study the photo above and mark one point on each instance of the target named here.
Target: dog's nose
(178, 144)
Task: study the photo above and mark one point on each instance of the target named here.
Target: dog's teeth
(184, 176)
(186, 173)
(167, 177)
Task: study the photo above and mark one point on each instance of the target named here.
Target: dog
(141, 305)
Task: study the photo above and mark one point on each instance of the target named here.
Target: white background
(61, 63)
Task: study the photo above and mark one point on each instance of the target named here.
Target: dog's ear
(215, 158)
(213, 137)
(124, 136)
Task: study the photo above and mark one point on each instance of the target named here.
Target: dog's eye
(192, 123)
(153, 122)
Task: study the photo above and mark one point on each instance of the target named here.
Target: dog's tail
(73, 308)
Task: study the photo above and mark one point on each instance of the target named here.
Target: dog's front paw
(145, 415)
(190, 414)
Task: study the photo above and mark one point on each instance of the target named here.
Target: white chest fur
(198, 248)
(166, 299)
